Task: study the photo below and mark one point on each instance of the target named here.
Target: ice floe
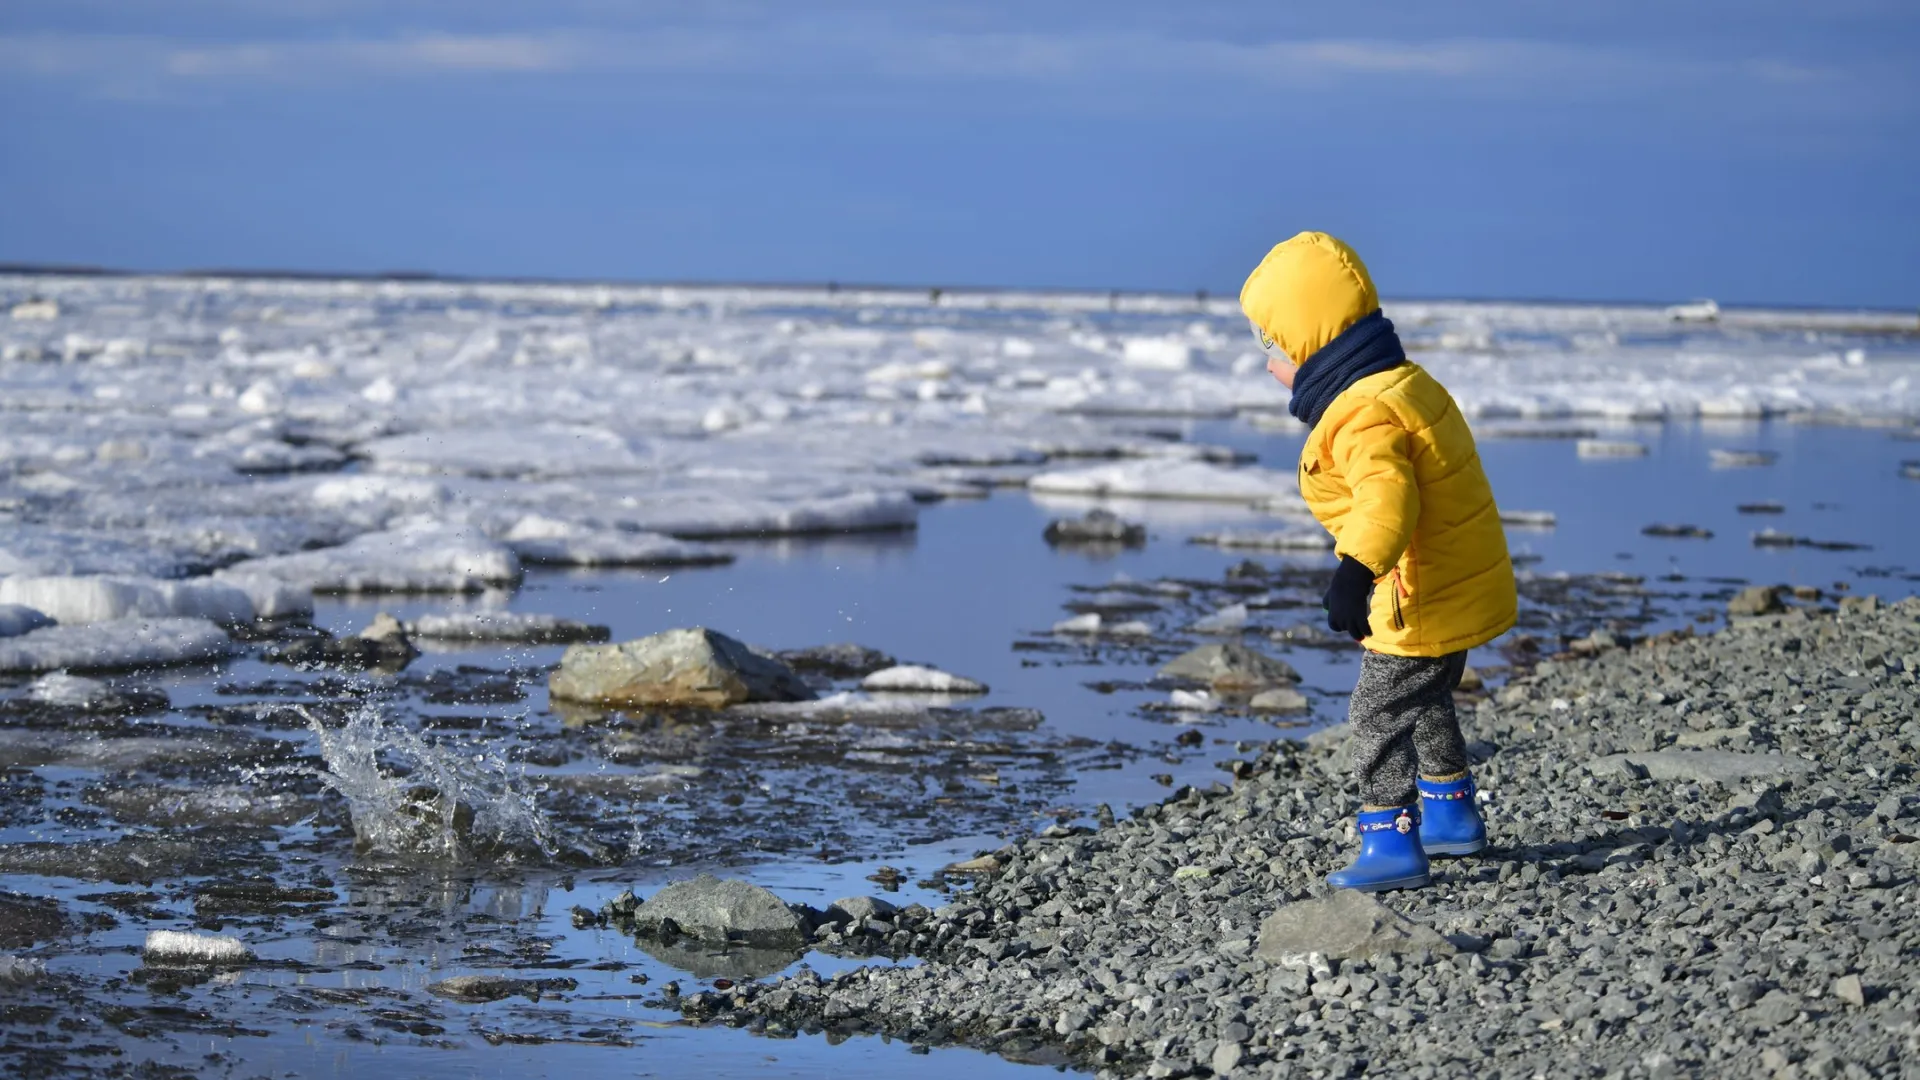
(122, 643)
(192, 948)
(545, 541)
(912, 678)
(167, 428)
(78, 600)
(1268, 539)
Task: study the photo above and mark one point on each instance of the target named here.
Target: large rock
(679, 667)
(718, 910)
(1758, 600)
(1230, 666)
(1711, 766)
(1345, 924)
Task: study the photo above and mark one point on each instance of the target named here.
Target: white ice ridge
(122, 643)
(912, 678)
(545, 541)
(161, 427)
(78, 600)
(187, 947)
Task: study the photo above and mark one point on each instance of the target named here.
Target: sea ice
(912, 678)
(123, 643)
(79, 600)
(545, 541)
(1610, 448)
(1228, 620)
(1168, 480)
(1268, 540)
(416, 558)
(178, 947)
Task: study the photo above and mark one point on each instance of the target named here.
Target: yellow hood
(1306, 292)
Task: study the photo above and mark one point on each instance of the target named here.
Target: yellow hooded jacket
(1391, 469)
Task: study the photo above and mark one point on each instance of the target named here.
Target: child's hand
(1346, 599)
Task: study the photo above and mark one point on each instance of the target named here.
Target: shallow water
(972, 591)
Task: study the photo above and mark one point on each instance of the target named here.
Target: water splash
(409, 797)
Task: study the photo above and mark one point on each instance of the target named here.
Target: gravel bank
(1703, 864)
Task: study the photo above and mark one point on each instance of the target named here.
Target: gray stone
(1230, 666)
(1283, 699)
(1711, 766)
(696, 667)
(1848, 989)
(1344, 924)
(1757, 600)
(713, 909)
(1099, 527)
(838, 661)
(1227, 1057)
(480, 989)
(858, 908)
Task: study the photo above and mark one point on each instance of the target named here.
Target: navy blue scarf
(1365, 348)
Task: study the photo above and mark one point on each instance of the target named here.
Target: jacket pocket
(1399, 592)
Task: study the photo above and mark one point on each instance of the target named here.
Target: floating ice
(1529, 519)
(78, 600)
(1228, 620)
(17, 619)
(912, 678)
(1269, 540)
(544, 541)
(1610, 448)
(1159, 354)
(60, 688)
(534, 451)
(123, 643)
(1697, 311)
(485, 626)
(1738, 459)
(1168, 480)
(15, 970)
(189, 949)
(1194, 700)
(411, 559)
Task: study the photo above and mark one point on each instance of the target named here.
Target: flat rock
(1757, 600)
(720, 910)
(696, 667)
(480, 989)
(1101, 527)
(27, 920)
(1711, 766)
(856, 908)
(506, 626)
(1284, 699)
(1230, 665)
(1345, 924)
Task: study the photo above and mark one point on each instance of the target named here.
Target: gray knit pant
(1403, 723)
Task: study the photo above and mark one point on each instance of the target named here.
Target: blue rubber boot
(1450, 821)
(1390, 855)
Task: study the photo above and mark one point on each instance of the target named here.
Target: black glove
(1346, 599)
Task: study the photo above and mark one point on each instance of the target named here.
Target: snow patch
(192, 948)
(125, 643)
(80, 600)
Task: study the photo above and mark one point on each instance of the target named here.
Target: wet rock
(28, 920)
(1761, 508)
(1098, 527)
(1609, 448)
(914, 679)
(382, 646)
(1741, 459)
(480, 989)
(505, 626)
(838, 661)
(1688, 532)
(1229, 666)
(1343, 924)
(1757, 600)
(1280, 700)
(720, 910)
(1710, 766)
(696, 667)
(93, 695)
(857, 909)
(174, 948)
(710, 960)
(1471, 681)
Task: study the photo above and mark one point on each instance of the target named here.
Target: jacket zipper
(1399, 587)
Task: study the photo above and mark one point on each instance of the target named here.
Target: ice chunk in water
(176, 947)
(122, 643)
(1262, 540)
(415, 558)
(1158, 354)
(79, 600)
(17, 619)
(912, 678)
(545, 541)
(1154, 479)
(15, 970)
(60, 688)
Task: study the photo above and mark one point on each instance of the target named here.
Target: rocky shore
(1703, 864)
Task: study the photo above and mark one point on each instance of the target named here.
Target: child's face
(1282, 369)
(1278, 365)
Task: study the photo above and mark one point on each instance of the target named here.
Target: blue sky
(1750, 151)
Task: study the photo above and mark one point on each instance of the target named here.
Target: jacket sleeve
(1374, 455)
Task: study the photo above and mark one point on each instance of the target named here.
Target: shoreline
(1703, 863)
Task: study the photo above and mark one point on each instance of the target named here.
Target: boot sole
(1470, 847)
(1418, 882)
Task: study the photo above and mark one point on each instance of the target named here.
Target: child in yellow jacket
(1391, 470)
